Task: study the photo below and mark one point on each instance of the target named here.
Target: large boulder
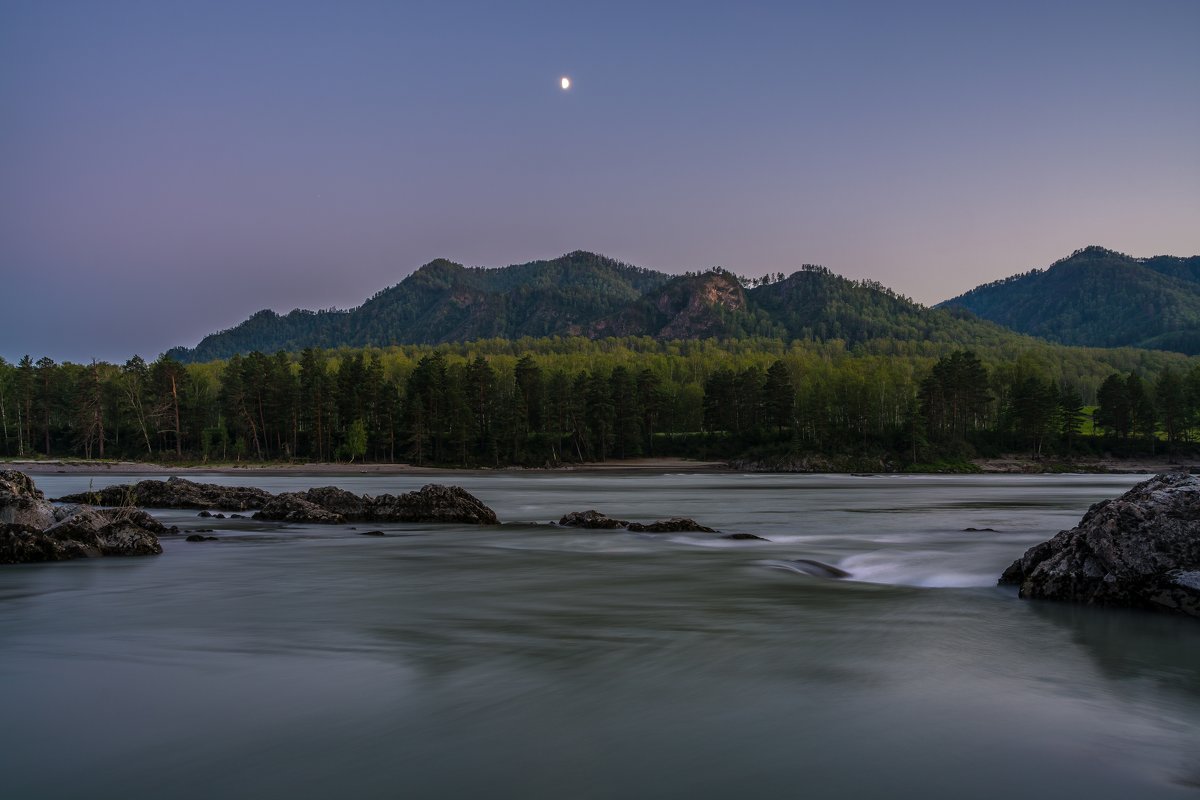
(1141, 550)
(433, 502)
(86, 534)
(594, 520)
(174, 493)
(22, 503)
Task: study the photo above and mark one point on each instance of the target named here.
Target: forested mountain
(1099, 298)
(583, 294)
(445, 302)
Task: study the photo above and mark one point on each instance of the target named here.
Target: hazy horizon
(167, 169)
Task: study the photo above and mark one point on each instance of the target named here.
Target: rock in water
(432, 503)
(337, 501)
(672, 525)
(174, 493)
(25, 544)
(1141, 550)
(295, 507)
(22, 503)
(594, 520)
(87, 534)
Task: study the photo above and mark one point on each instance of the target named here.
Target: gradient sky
(168, 168)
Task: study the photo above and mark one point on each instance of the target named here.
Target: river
(527, 661)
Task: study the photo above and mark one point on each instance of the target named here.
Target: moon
(565, 83)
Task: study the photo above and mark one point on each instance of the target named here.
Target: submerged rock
(819, 569)
(808, 566)
(1141, 550)
(594, 520)
(174, 493)
(199, 537)
(22, 503)
(744, 537)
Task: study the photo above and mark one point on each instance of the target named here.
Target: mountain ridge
(593, 296)
(1099, 298)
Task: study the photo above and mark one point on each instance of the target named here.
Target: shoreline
(634, 466)
(985, 466)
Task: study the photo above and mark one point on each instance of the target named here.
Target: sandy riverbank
(1008, 465)
(44, 467)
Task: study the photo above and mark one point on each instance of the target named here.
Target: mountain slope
(1099, 298)
(583, 294)
(443, 301)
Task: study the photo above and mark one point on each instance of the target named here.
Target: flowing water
(528, 661)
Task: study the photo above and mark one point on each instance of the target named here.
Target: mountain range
(1099, 298)
(1095, 297)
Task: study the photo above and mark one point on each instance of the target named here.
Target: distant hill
(1099, 298)
(584, 294)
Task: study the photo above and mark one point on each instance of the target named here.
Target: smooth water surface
(528, 661)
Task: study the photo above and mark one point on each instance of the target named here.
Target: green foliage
(549, 401)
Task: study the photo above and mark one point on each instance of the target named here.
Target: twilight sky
(168, 168)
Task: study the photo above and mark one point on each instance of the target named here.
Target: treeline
(550, 401)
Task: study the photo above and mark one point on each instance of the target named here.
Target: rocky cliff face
(687, 307)
(696, 311)
(1141, 550)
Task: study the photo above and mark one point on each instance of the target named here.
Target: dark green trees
(545, 402)
(779, 397)
(955, 397)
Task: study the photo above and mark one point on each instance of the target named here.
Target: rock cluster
(431, 503)
(1140, 550)
(596, 521)
(33, 530)
(325, 504)
(174, 493)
